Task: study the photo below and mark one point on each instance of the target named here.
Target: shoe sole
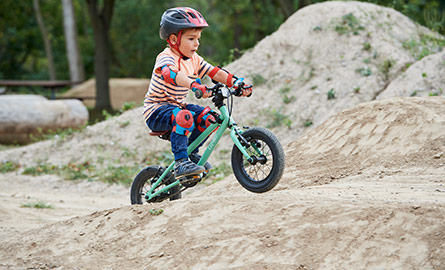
(190, 174)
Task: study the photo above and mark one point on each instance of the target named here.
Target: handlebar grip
(198, 93)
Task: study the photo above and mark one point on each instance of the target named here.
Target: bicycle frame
(227, 121)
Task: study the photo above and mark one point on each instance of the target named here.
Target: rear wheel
(267, 167)
(143, 182)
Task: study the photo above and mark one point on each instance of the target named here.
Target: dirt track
(385, 215)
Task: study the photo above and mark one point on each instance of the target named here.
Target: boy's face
(190, 41)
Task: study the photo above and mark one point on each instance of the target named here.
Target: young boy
(175, 72)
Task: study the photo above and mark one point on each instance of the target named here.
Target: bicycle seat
(164, 134)
(158, 133)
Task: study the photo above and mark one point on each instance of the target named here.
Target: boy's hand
(246, 91)
(242, 89)
(197, 86)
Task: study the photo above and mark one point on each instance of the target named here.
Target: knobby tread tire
(146, 175)
(238, 161)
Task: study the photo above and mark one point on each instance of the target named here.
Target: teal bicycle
(257, 156)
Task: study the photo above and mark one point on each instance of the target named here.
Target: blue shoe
(195, 157)
(184, 167)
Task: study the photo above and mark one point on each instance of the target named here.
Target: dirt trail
(387, 214)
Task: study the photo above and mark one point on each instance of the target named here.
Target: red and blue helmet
(176, 19)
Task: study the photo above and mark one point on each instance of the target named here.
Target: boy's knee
(182, 121)
(205, 119)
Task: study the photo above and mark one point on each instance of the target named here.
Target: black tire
(265, 175)
(143, 181)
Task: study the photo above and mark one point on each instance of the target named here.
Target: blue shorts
(161, 119)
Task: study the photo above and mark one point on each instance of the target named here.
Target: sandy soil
(328, 212)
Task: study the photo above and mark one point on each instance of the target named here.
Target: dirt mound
(423, 78)
(386, 202)
(393, 133)
(121, 91)
(277, 230)
(329, 57)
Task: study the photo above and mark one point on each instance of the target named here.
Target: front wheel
(267, 157)
(144, 180)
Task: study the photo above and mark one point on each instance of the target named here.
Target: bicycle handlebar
(216, 87)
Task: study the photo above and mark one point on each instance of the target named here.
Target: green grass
(219, 172)
(156, 212)
(276, 118)
(258, 80)
(8, 166)
(348, 24)
(366, 46)
(119, 174)
(365, 71)
(426, 45)
(38, 205)
(331, 94)
(308, 123)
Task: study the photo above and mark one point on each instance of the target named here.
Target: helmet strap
(176, 47)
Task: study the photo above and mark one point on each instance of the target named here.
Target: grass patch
(366, 46)
(427, 45)
(38, 205)
(40, 169)
(331, 94)
(156, 212)
(348, 24)
(365, 71)
(276, 118)
(258, 80)
(8, 166)
(308, 123)
(219, 172)
(284, 94)
(386, 66)
(119, 174)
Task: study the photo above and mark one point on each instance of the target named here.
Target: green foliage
(119, 174)
(40, 169)
(258, 80)
(308, 123)
(49, 134)
(386, 66)
(276, 118)
(134, 33)
(38, 205)
(8, 166)
(219, 172)
(424, 46)
(156, 212)
(348, 24)
(331, 94)
(364, 71)
(284, 94)
(366, 46)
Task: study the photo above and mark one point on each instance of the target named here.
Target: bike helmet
(176, 19)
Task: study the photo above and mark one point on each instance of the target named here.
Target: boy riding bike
(177, 69)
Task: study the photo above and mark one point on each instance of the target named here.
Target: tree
(47, 42)
(77, 72)
(100, 15)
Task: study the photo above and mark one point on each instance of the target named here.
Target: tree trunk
(101, 20)
(46, 41)
(303, 3)
(77, 72)
(287, 7)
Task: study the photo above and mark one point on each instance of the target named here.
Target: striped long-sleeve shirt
(160, 92)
